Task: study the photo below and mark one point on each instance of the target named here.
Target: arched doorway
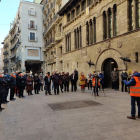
(108, 66)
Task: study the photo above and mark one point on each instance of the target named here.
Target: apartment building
(1, 59)
(25, 39)
(101, 31)
(6, 54)
(37, 1)
(53, 34)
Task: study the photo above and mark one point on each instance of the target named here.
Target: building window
(32, 36)
(72, 14)
(104, 25)
(77, 64)
(32, 24)
(83, 5)
(78, 10)
(87, 33)
(115, 20)
(67, 65)
(136, 57)
(131, 14)
(138, 12)
(110, 22)
(68, 42)
(68, 17)
(94, 30)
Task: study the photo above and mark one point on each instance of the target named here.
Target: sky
(8, 9)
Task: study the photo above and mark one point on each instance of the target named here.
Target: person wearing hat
(47, 80)
(2, 88)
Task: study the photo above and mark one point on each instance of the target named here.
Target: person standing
(95, 83)
(66, 81)
(89, 79)
(124, 76)
(47, 80)
(13, 85)
(115, 78)
(29, 85)
(56, 79)
(8, 80)
(21, 84)
(77, 77)
(134, 85)
(17, 87)
(82, 79)
(42, 83)
(73, 79)
(101, 77)
(62, 81)
(2, 89)
(36, 84)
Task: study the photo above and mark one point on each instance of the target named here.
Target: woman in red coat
(29, 86)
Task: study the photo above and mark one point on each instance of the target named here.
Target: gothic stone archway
(110, 53)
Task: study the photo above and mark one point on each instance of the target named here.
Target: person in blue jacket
(134, 85)
(101, 76)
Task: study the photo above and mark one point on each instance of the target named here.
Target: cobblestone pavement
(33, 119)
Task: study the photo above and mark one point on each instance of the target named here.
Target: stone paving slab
(33, 119)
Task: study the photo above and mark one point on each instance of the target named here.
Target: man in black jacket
(73, 79)
(76, 75)
(13, 85)
(7, 78)
(47, 80)
(124, 76)
(2, 88)
(66, 81)
(56, 80)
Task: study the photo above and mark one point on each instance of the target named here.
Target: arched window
(115, 19)
(110, 22)
(94, 29)
(91, 32)
(87, 31)
(104, 25)
(131, 14)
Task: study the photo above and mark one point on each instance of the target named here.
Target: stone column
(69, 41)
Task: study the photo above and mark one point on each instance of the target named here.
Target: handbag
(29, 83)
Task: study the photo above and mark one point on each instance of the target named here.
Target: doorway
(108, 66)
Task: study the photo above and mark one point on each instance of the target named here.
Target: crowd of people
(19, 81)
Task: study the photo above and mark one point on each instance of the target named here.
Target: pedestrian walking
(89, 81)
(13, 85)
(29, 85)
(134, 85)
(82, 79)
(66, 81)
(73, 80)
(124, 76)
(95, 83)
(47, 80)
(36, 84)
(2, 88)
(115, 78)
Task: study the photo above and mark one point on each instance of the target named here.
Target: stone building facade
(101, 31)
(53, 34)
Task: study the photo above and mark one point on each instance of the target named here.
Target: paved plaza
(33, 118)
